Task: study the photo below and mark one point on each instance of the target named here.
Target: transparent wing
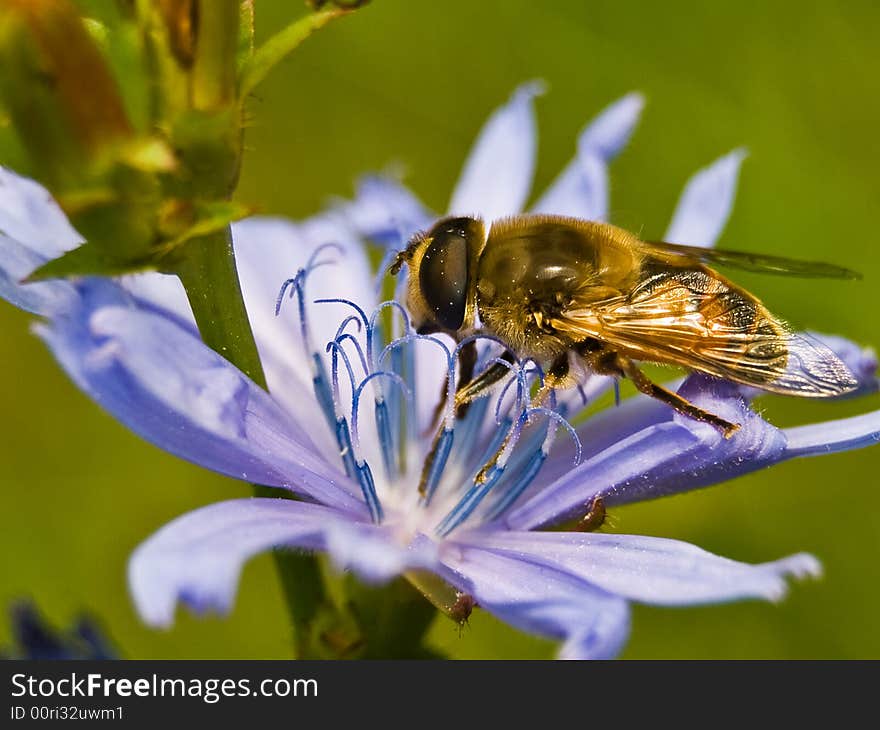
(693, 319)
(752, 262)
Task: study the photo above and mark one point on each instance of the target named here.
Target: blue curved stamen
(345, 322)
(523, 480)
(322, 391)
(313, 263)
(449, 414)
(438, 463)
(616, 392)
(293, 282)
(298, 283)
(469, 503)
(410, 363)
(469, 428)
(412, 337)
(397, 415)
(337, 350)
(386, 438)
(527, 473)
(408, 357)
(374, 330)
(391, 303)
(478, 491)
(553, 415)
(368, 487)
(362, 315)
(476, 338)
(398, 365)
(357, 346)
(356, 398)
(343, 438)
(504, 427)
(521, 389)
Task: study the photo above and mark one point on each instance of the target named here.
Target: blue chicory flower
(353, 397)
(34, 638)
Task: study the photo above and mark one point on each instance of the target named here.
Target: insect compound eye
(443, 277)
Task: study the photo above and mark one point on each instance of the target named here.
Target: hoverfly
(584, 297)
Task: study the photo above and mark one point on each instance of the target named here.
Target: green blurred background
(409, 84)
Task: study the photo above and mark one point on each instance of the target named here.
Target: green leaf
(274, 50)
(87, 260)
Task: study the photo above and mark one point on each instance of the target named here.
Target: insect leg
(645, 385)
(554, 376)
(467, 361)
(470, 391)
(464, 394)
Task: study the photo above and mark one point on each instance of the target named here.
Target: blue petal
(664, 458)
(497, 175)
(383, 210)
(33, 229)
(581, 189)
(160, 291)
(30, 215)
(539, 599)
(197, 558)
(650, 569)
(833, 436)
(610, 131)
(374, 553)
(269, 251)
(44, 298)
(706, 202)
(161, 381)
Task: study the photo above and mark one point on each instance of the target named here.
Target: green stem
(214, 71)
(209, 275)
(368, 622)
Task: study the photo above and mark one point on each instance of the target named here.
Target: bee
(581, 297)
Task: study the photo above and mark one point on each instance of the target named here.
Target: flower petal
(160, 291)
(33, 229)
(650, 569)
(197, 558)
(581, 189)
(833, 436)
(45, 297)
(706, 202)
(385, 211)
(610, 131)
(161, 381)
(497, 175)
(375, 553)
(664, 458)
(30, 215)
(539, 599)
(272, 250)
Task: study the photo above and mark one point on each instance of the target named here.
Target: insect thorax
(529, 274)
